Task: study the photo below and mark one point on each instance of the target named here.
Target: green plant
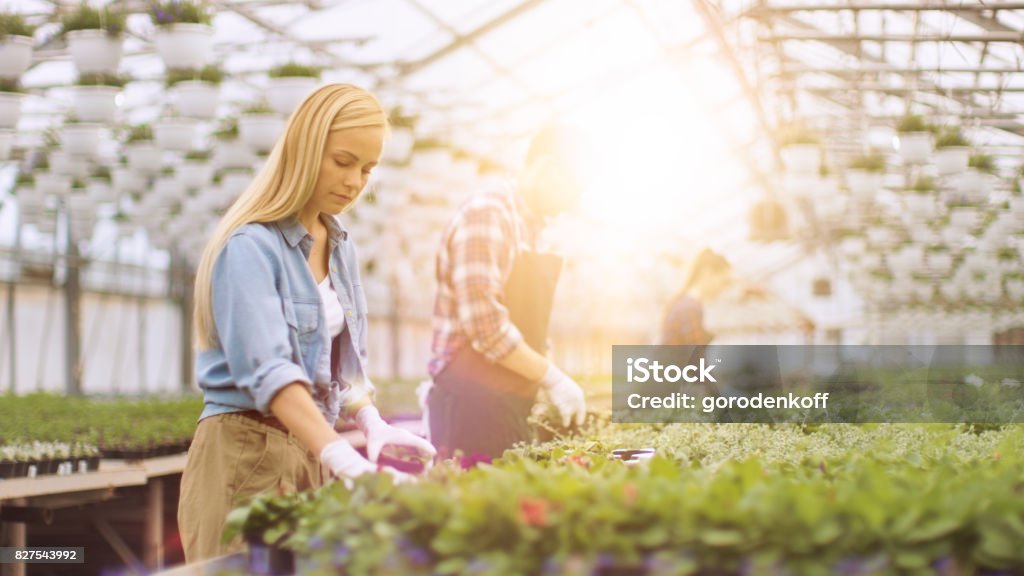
(212, 74)
(399, 118)
(14, 24)
(101, 173)
(912, 123)
(294, 70)
(179, 12)
(227, 130)
(871, 162)
(983, 163)
(201, 155)
(115, 80)
(139, 133)
(24, 179)
(86, 17)
(260, 107)
(924, 185)
(795, 134)
(77, 184)
(11, 85)
(950, 137)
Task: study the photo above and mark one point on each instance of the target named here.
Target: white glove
(565, 395)
(380, 434)
(346, 463)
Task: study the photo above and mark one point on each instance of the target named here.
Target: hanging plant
(86, 17)
(101, 173)
(14, 24)
(873, 162)
(912, 123)
(212, 74)
(139, 133)
(25, 179)
(924, 185)
(228, 129)
(179, 12)
(198, 155)
(294, 70)
(950, 137)
(11, 86)
(982, 163)
(258, 108)
(796, 134)
(101, 79)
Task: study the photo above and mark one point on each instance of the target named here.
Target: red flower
(629, 493)
(533, 511)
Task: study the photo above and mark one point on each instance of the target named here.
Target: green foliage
(912, 123)
(294, 70)
(227, 130)
(197, 155)
(794, 134)
(872, 162)
(949, 137)
(102, 173)
(86, 17)
(102, 80)
(179, 12)
(882, 499)
(924, 185)
(260, 107)
(399, 118)
(14, 24)
(11, 85)
(25, 179)
(212, 74)
(983, 163)
(139, 133)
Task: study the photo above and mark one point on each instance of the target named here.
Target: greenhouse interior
(452, 234)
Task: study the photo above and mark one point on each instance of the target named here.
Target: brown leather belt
(265, 420)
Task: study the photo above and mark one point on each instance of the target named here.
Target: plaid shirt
(683, 322)
(473, 263)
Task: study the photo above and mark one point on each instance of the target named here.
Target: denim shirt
(270, 321)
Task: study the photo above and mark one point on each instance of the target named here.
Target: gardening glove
(380, 434)
(565, 395)
(346, 463)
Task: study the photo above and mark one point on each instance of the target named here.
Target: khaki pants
(232, 459)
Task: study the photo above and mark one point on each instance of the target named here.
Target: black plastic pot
(270, 560)
(93, 463)
(7, 468)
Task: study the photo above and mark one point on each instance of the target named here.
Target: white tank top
(335, 318)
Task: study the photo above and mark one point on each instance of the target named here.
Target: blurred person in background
(281, 321)
(709, 275)
(491, 313)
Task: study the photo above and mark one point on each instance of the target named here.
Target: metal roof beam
(1011, 37)
(762, 11)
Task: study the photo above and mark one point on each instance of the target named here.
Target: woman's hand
(345, 463)
(380, 434)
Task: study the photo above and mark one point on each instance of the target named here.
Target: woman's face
(349, 156)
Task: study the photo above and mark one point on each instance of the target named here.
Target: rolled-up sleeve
(481, 250)
(250, 322)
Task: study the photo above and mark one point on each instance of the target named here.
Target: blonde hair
(286, 181)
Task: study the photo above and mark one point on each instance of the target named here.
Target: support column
(153, 551)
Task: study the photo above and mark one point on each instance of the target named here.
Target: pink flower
(533, 511)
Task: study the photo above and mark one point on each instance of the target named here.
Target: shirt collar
(294, 231)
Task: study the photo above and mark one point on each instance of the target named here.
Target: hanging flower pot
(233, 183)
(952, 160)
(15, 52)
(144, 157)
(197, 99)
(233, 154)
(289, 85)
(52, 184)
(95, 51)
(259, 128)
(971, 184)
(124, 180)
(801, 158)
(82, 139)
(768, 221)
(95, 103)
(914, 141)
(6, 144)
(176, 134)
(196, 171)
(184, 45)
(10, 109)
(866, 175)
(64, 162)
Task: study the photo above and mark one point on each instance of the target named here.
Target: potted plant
(125, 228)
(15, 45)
(402, 135)
(800, 149)
(914, 140)
(100, 186)
(6, 144)
(175, 134)
(229, 151)
(143, 155)
(289, 84)
(975, 182)
(865, 176)
(64, 162)
(184, 37)
(95, 97)
(94, 37)
(259, 127)
(196, 92)
(10, 103)
(922, 201)
(196, 170)
(952, 151)
(81, 138)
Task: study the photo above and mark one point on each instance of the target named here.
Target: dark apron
(481, 408)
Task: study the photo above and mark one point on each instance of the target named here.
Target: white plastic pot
(398, 146)
(801, 158)
(82, 139)
(232, 184)
(233, 154)
(920, 205)
(6, 144)
(177, 134)
(915, 147)
(186, 46)
(95, 51)
(939, 262)
(144, 157)
(127, 181)
(1015, 289)
(195, 174)
(864, 185)
(197, 99)
(10, 109)
(260, 131)
(101, 192)
(95, 103)
(285, 94)
(52, 184)
(952, 160)
(15, 56)
(972, 184)
(64, 162)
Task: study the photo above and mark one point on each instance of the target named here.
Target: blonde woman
(280, 324)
